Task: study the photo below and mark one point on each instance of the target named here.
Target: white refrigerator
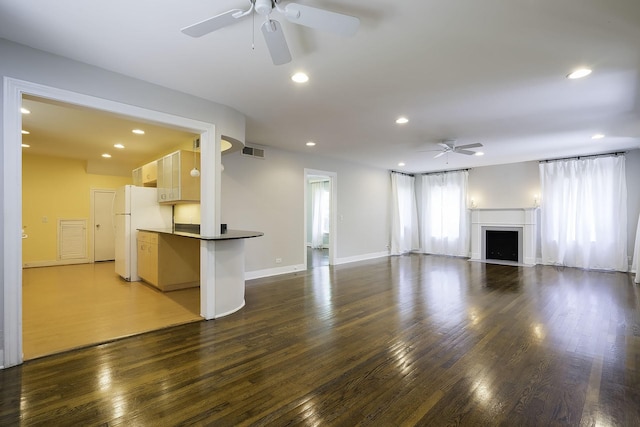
(134, 208)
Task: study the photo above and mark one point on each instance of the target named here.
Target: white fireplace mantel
(524, 218)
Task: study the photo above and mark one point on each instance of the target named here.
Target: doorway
(71, 298)
(12, 159)
(320, 214)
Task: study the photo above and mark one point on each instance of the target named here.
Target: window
(443, 223)
(584, 213)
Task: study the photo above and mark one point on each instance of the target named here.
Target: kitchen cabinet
(174, 181)
(168, 262)
(136, 174)
(146, 176)
(148, 257)
(150, 174)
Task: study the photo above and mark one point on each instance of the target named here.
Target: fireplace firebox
(502, 245)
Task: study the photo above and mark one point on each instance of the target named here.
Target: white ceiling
(488, 71)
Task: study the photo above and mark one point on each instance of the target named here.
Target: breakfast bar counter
(228, 235)
(223, 291)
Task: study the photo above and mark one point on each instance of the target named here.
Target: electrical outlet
(278, 260)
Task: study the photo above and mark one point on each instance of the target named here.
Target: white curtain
(319, 213)
(584, 213)
(404, 216)
(444, 224)
(635, 266)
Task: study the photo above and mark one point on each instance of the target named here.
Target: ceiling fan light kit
(319, 19)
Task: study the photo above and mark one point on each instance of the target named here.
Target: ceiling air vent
(253, 152)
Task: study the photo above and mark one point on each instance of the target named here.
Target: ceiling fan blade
(213, 24)
(462, 147)
(273, 35)
(445, 145)
(439, 154)
(320, 19)
(467, 152)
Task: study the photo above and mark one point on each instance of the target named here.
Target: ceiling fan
(320, 19)
(449, 146)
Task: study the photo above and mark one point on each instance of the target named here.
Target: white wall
(504, 186)
(34, 66)
(268, 195)
(632, 167)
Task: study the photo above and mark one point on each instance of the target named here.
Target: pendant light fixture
(195, 172)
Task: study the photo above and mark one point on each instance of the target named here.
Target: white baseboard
(364, 257)
(56, 263)
(258, 274)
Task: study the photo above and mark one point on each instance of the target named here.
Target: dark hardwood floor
(317, 258)
(412, 340)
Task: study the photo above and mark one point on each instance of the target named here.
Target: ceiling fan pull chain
(253, 31)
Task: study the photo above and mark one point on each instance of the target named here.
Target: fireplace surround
(522, 220)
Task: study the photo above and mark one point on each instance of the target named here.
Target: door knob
(97, 225)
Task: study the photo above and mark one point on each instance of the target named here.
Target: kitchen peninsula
(169, 258)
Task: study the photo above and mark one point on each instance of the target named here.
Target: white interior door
(103, 227)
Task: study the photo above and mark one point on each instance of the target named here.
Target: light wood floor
(411, 340)
(71, 306)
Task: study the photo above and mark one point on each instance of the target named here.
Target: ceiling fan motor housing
(264, 7)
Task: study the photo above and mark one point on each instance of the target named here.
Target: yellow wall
(56, 188)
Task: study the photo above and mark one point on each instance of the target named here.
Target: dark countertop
(229, 235)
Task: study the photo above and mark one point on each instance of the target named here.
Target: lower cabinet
(168, 262)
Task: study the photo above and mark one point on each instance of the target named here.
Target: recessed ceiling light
(25, 132)
(106, 156)
(311, 144)
(402, 120)
(598, 136)
(401, 164)
(24, 111)
(120, 146)
(25, 146)
(300, 78)
(479, 153)
(579, 73)
(138, 131)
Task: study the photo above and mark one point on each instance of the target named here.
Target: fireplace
(522, 221)
(502, 243)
